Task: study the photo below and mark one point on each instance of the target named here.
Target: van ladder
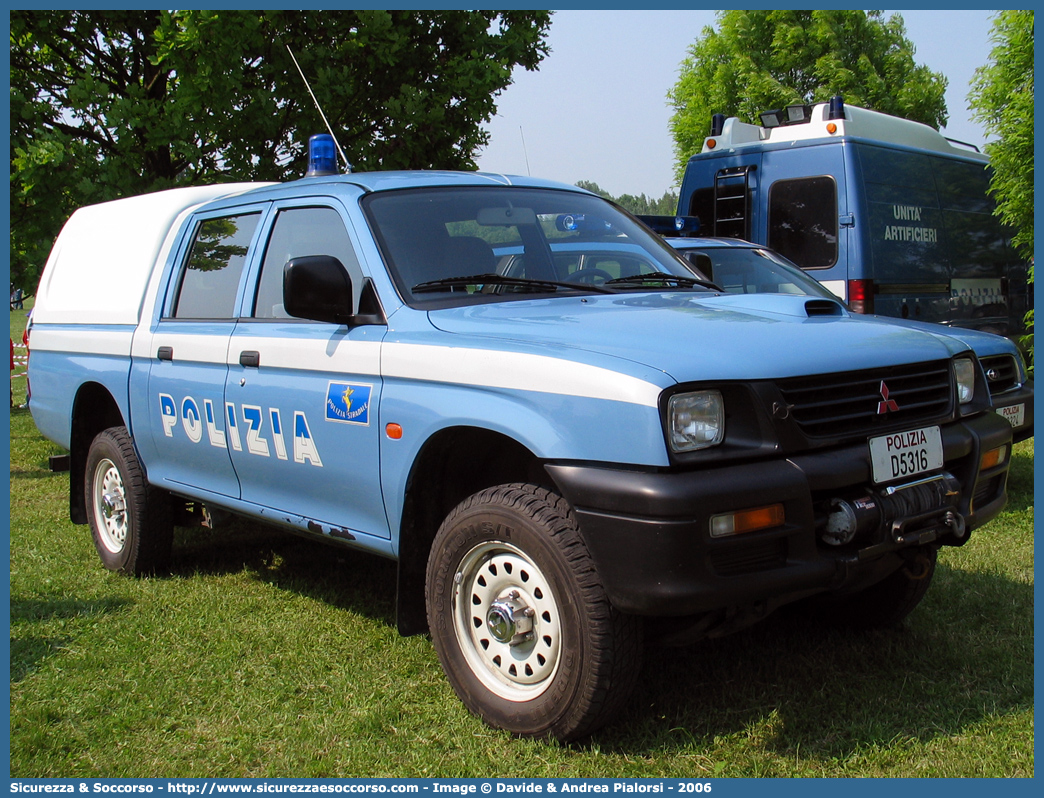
(732, 202)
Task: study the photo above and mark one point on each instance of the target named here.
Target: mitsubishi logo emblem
(886, 405)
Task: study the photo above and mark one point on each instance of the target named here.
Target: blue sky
(597, 110)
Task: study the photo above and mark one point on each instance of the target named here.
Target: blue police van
(887, 213)
(525, 398)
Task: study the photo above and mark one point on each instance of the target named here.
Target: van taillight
(861, 296)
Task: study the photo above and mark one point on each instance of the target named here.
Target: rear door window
(210, 279)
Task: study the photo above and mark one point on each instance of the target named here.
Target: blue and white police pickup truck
(521, 395)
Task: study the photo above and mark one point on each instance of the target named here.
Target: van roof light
(791, 115)
(798, 114)
(771, 118)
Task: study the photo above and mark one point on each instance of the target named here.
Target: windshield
(467, 244)
(743, 270)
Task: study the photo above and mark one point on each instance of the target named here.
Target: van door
(910, 260)
(306, 394)
(188, 417)
(722, 191)
(986, 274)
(808, 219)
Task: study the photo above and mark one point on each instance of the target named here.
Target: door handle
(165, 353)
(250, 359)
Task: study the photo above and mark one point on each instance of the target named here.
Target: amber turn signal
(746, 520)
(994, 457)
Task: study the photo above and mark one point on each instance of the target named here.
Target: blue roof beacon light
(569, 222)
(322, 156)
(580, 223)
(687, 224)
(837, 108)
(671, 225)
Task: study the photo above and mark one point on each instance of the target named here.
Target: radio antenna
(524, 151)
(319, 108)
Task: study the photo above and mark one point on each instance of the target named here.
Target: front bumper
(649, 532)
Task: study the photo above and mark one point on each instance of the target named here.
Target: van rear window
(803, 221)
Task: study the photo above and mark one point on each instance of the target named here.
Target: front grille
(1001, 373)
(854, 403)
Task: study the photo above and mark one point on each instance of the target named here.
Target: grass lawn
(264, 654)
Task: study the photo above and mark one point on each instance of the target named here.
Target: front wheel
(130, 520)
(519, 618)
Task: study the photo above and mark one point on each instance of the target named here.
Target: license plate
(905, 454)
(1016, 414)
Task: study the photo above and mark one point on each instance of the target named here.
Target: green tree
(594, 188)
(667, 205)
(1002, 98)
(105, 104)
(761, 60)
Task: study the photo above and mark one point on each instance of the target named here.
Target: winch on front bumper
(796, 526)
(912, 514)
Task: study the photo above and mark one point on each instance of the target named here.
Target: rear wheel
(519, 618)
(130, 520)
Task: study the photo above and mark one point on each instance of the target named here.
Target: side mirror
(317, 288)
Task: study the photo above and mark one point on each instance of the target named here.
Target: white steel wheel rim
(110, 506)
(493, 576)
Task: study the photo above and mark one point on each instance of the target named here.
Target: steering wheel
(592, 275)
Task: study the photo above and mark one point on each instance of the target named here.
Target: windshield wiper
(501, 279)
(664, 279)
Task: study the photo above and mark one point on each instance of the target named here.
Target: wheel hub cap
(509, 620)
(501, 622)
(112, 505)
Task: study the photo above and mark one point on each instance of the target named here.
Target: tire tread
(149, 507)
